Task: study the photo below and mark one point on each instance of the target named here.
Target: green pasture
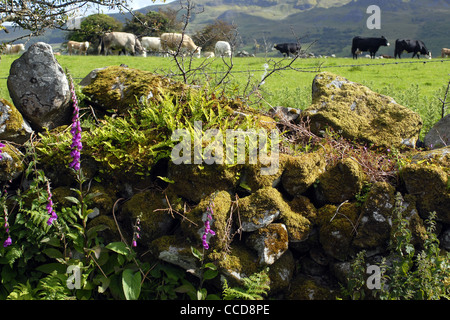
(417, 84)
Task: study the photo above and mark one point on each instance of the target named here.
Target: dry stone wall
(305, 222)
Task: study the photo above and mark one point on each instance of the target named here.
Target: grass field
(415, 84)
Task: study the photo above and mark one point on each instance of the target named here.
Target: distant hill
(330, 24)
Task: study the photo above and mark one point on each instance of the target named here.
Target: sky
(137, 4)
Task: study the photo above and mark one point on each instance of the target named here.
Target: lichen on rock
(151, 208)
(269, 242)
(337, 229)
(13, 127)
(343, 181)
(118, 88)
(194, 224)
(261, 208)
(11, 164)
(300, 172)
(360, 114)
(430, 184)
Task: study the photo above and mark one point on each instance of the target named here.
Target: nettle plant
(406, 274)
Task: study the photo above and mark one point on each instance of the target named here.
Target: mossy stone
(194, 225)
(375, 223)
(150, 207)
(342, 182)
(300, 172)
(358, 113)
(11, 164)
(429, 183)
(261, 208)
(118, 88)
(13, 127)
(337, 229)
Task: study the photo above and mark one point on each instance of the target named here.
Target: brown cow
(445, 53)
(172, 41)
(80, 47)
(14, 48)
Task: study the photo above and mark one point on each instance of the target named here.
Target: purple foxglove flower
(7, 242)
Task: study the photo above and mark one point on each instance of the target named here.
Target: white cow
(14, 48)
(151, 44)
(80, 47)
(222, 49)
(120, 41)
(172, 41)
(208, 54)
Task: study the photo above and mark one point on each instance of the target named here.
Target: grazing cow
(209, 54)
(361, 44)
(178, 41)
(445, 53)
(80, 47)
(415, 46)
(288, 48)
(120, 42)
(222, 49)
(151, 44)
(14, 48)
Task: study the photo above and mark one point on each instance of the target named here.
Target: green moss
(119, 88)
(195, 182)
(303, 206)
(302, 171)
(343, 181)
(252, 179)
(240, 263)
(11, 164)
(360, 113)
(261, 208)
(429, 183)
(14, 121)
(304, 288)
(337, 229)
(111, 233)
(151, 208)
(193, 226)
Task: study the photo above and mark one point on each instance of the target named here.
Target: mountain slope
(331, 24)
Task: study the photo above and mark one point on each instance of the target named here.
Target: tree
(174, 24)
(150, 24)
(37, 16)
(93, 26)
(218, 31)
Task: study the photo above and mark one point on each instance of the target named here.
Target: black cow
(288, 48)
(415, 46)
(372, 45)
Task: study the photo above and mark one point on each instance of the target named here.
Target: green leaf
(54, 241)
(202, 294)
(92, 232)
(53, 253)
(210, 265)
(50, 267)
(73, 200)
(210, 274)
(131, 283)
(165, 179)
(119, 247)
(197, 253)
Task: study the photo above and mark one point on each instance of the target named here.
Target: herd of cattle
(169, 43)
